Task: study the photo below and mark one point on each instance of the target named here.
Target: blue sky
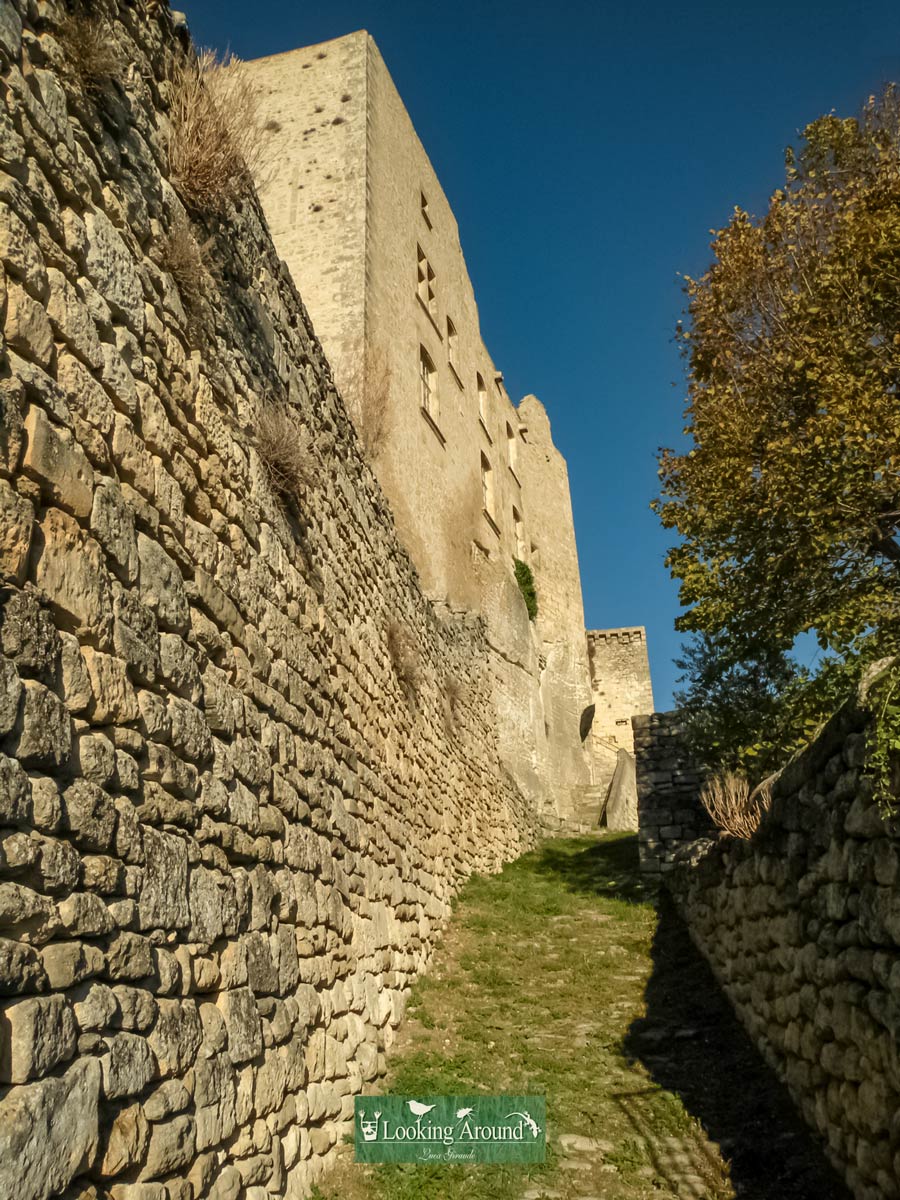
(587, 151)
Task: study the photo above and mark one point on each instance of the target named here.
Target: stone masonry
(245, 763)
(801, 925)
(670, 814)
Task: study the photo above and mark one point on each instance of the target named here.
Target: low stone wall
(801, 925)
(244, 764)
(670, 814)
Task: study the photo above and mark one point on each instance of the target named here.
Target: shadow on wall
(692, 1044)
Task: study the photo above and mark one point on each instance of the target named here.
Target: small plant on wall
(525, 580)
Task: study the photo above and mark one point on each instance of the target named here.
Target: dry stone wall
(244, 764)
(670, 815)
(802, 927)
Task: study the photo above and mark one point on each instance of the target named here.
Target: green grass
(539, 977)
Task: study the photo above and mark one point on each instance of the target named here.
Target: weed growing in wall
(216, 138)
(91, 56)
(525, 580)
(404, 655)
(284, 448)
(732, 806)
(183, 257)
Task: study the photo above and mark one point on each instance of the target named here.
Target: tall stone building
(475, 482)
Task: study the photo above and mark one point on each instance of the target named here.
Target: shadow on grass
(693, 1045)
(606, 866)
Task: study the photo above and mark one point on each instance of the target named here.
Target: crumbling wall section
(244, 764)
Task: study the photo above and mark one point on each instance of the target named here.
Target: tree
(788, 500)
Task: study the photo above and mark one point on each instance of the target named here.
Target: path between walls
(562, 975)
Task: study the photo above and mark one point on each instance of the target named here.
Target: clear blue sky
(587, 150)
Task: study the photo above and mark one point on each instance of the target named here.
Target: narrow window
(428, 397)
(423, 205)
(521, 544)
(487, 487)
(511, 447)
(482, 400)
(452, 346)
(425, 282)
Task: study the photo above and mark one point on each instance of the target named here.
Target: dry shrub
(215, 142)
(368, 393)
(404, 655)
(183, 257)
(284, 447)
(453, 698)
(731, 804)
(92, 58)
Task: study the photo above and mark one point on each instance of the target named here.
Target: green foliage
(788, 500)
(525, 580)
(884, 737)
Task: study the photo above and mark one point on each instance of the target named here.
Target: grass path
(542, 985)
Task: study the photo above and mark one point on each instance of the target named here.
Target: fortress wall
(244, 763)
(312, 181)
(801, 925)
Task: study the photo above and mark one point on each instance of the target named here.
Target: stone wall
(670, 814)
(244, 763)
(802, 927)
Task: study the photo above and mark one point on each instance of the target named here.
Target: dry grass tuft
(284, 447)
(368, 393)
(731, 804)
(453, 694)
(92, 58)
(183, 257)
(404, 654)
(215, 143)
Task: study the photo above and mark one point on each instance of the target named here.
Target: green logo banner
(422, 1129)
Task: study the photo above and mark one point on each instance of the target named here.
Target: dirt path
(559, 976)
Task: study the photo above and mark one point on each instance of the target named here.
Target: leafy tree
(788, 500)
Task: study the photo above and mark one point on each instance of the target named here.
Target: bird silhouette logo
(418, 1109)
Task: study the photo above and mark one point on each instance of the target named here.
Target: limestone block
(162, 586)
(94, 1006)
(126, 1142)
(59, 865)
(171, 1147)
(205, 905)
(69, 569)
(163, 902)
(112, 523)
(190, 733)
(44, 728)
(215, 1098)
(96, 758)
(242, 1021)
(10, 695)
(112, 270)
(137, 1007)
(29, 637)
(129, 956)
(136, 641)
(86, 396)
(89, 815)
(49, 1132)
(179, 667)
(128, 1066)
(68, 963)
(85, 915)
(76, 683)
(27, 327)
(38, 1034)
(169, 1098)
(16, 524)
(114, 700)
(21, 969)
(71, 320)
(176, 1036)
